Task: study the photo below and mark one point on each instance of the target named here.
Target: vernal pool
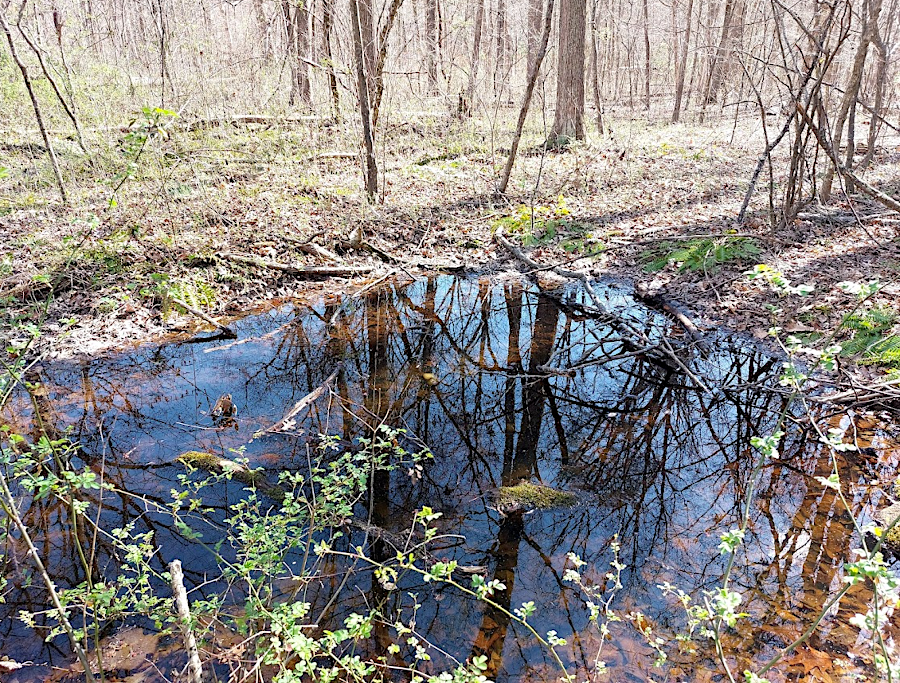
(655, 465)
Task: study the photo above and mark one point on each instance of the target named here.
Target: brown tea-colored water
(653, 461)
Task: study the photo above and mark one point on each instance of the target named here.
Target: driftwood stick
(311, 271)
(227, 331)
(318, 250)
(301, 404)
(372, 285)
(195, 670)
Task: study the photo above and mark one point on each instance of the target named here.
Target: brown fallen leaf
(816, 664)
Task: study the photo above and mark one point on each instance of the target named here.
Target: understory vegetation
(581, 319)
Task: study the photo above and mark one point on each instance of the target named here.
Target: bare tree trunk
(569, 116)
(70, 111)
(263, 24)
(871, 12)
(34, 103)
(377, 79)
(535, 7)
(366, 15)
(526, 100)
(327, 25)
(595, 70)
(362, 83)
(681, 63)
(295, 20)
(502, 65)
(467, 100)
(431, 44)
(301, 34)
(880, 82)
(720, 56)
(646, 55)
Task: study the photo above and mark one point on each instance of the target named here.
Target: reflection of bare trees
(456, 362)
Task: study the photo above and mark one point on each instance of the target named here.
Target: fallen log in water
(637, 338)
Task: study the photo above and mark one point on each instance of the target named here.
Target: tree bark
(327, 25)
(295, 20)
(466, 101)
(535, 8)
(362, 83)
(720, 56)
(501, 68)
(595, 70)
(569, 115)
(431, 44)
(646, 55)
(681, 63)
(872, 12)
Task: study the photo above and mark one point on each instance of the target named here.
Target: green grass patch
(706, 254)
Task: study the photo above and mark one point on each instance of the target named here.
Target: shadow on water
(454, 361)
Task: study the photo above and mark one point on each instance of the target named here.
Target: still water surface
(654, 462)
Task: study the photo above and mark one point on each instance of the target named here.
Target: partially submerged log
(635, 336)
(660, 302)
(226, 331)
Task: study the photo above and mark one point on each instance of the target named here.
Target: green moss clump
(200, 460)
(526, 495)
(897, 487)
(214, 464)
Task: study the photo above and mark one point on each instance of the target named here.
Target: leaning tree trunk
(34, 103)
(526, 100)
(569, 116)
(851, 91)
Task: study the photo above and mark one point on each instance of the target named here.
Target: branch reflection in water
(456, 363)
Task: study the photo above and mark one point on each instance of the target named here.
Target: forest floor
(655, 204)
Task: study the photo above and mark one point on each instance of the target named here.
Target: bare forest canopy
(801, 66)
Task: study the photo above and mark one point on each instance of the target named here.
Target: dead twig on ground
(301, 271)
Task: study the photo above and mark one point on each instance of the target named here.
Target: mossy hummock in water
(200, 460)
(528, 496)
